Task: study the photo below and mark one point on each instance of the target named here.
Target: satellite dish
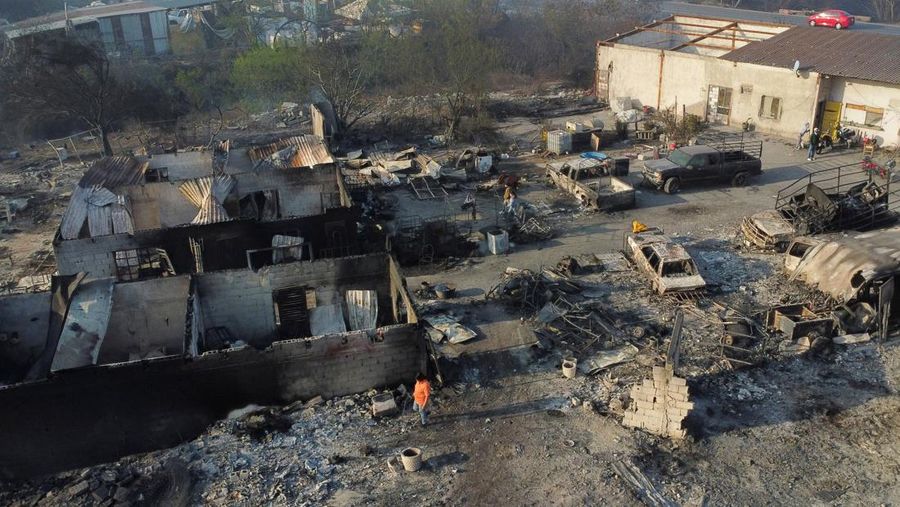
(796, 67)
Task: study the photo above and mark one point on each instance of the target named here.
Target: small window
(142, 263)
(770, 107)
(863, 116)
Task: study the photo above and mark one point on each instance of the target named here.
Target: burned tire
(740, 179)
(672, 186)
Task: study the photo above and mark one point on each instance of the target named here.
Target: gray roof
(57, 20)
(842, 53)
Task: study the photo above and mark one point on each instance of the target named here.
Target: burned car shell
(585, 180)
(669, 266)
(767, 230)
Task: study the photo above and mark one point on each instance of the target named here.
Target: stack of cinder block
(659, 405)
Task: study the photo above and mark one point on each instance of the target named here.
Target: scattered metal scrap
(640, 484)
(425, 190)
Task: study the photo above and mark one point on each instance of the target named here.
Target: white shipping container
(559, 142)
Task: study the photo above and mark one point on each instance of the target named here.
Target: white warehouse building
(727, 71)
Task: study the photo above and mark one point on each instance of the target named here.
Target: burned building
(207, 211)
(100, 368)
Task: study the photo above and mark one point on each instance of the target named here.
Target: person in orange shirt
(421, 396)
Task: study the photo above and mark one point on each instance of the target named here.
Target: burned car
(767, 230)
(590, 181)
(670, 268)
(813, 210)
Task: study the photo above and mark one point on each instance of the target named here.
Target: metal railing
(856, 200)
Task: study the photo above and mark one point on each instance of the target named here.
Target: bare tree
(456, 59)
(885, 10)
(338, 74)
(64, 77)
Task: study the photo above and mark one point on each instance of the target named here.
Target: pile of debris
(293, 455)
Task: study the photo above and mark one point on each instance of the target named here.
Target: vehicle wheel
(838, 26)
(812, 23)
(740, 179)
(672, 185)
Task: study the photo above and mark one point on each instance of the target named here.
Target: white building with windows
(777, 76)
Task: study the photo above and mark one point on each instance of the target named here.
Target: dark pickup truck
(733, 162)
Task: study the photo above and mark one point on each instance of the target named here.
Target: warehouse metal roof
(843, 53)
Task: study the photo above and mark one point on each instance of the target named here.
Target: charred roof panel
(292, 153)
(842, 266)
(112, 172)
(844, 53)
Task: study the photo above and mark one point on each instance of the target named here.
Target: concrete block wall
(241, 300)
(91, 255)
(351, 362)
(660, 405)
(146, 317)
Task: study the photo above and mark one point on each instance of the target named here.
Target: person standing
(803, 132)
(813, 144)
(421, 397)
(509, 197)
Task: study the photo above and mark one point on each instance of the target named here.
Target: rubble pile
(299, 454)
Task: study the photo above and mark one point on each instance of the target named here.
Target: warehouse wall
(686, 79)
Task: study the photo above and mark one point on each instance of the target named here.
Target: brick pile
(659, 405)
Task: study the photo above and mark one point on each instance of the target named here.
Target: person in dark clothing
(813, 144)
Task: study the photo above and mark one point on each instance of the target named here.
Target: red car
(834, 18)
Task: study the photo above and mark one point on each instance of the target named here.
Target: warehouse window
(770, 107)
(863, 116)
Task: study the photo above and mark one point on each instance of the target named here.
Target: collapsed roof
(842, 266)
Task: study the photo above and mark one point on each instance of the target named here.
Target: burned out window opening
(799, 249)
(678, 268)
(156, 175)
(292, 307)
(770, 107)
(142, 263)
(262, 205)
(651, 257)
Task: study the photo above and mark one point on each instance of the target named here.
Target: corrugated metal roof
(844, 53)
(209, 194)
(113, 172)
(292, 153)
(833, 266)
(106, 213)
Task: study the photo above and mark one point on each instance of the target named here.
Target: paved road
(767, 17)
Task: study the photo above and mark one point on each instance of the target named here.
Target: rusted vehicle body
(589, 182)
(668, 265)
